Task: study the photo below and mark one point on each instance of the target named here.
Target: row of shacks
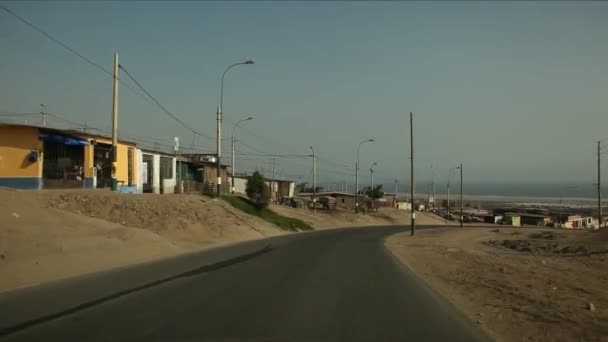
(34, 157)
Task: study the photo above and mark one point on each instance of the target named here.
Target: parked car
(476, 219)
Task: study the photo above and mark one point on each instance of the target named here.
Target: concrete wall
(139, 184)
(239, 185)
(155, 171)
(345, 202)
(169, 183)
(16, 170)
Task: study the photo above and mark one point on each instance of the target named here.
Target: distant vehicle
(476, 219)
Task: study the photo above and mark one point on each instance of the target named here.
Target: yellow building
(33, 157)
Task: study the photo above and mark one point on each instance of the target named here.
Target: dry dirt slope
(47, 235)
(54, 234)
(539, 285)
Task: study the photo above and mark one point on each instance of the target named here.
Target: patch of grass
(286, 223)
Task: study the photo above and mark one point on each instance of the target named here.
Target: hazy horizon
(516, 91)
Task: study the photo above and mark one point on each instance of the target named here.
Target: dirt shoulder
(518, 283)
(322, 219)
(49, 235)
(54, 234)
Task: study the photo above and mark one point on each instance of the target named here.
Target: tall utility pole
(433, 186)
(219, 151)
(396, 190)
(314, 179)
(43, 112)
(272, 190)
(461, 202)
(413, 223)
(357, 174)
(180, 185)
(448, 210)
(449, 180)
(114, 122)
(233, 149)
(371, 172)
(599, 185)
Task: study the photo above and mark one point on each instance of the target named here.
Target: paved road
(332, 286)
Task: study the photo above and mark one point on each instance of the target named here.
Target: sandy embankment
(48, 235)
(518, 283)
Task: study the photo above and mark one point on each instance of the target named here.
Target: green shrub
(286, 223)
(257, 190)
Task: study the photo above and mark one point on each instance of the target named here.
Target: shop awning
(61, 138)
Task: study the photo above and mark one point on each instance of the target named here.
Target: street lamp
(461, 203)
(371, 172)
(371, 190)
(233, 143)
(314, 179)
(219, 125)
(357, 174)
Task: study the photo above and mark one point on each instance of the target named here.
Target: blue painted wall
(30, 183)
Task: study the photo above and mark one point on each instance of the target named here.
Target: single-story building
(495, 219)
(577, 221)
(279, 188)
(34, 157)
(512, 219)
(344, 200)
(535, 219)
(202, 170)
(158, 174)
(404, 205)
(389, 199)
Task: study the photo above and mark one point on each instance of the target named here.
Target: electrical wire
(163, 107)
(150, 99)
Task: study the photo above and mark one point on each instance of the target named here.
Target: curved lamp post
(219, 125)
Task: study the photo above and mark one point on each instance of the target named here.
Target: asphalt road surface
(339, 285)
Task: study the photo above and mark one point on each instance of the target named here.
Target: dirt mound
(538, 246)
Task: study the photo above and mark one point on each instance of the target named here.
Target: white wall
(239, 185)
(138, 161)
(155, 171)
(292, 189)
(169, 183)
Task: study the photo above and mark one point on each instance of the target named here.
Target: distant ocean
(549, 192)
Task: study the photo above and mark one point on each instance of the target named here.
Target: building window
(166, 167)
(130, 166)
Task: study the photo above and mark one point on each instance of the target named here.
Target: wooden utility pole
(114, 122)
(274, 164)
(413, 222)
(599, 185)
(461, 202)
(396, 190)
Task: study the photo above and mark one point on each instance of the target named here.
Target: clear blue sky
(518, 91)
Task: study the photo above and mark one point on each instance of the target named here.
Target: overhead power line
(149, 98)
(163, 107)
(57, 41)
